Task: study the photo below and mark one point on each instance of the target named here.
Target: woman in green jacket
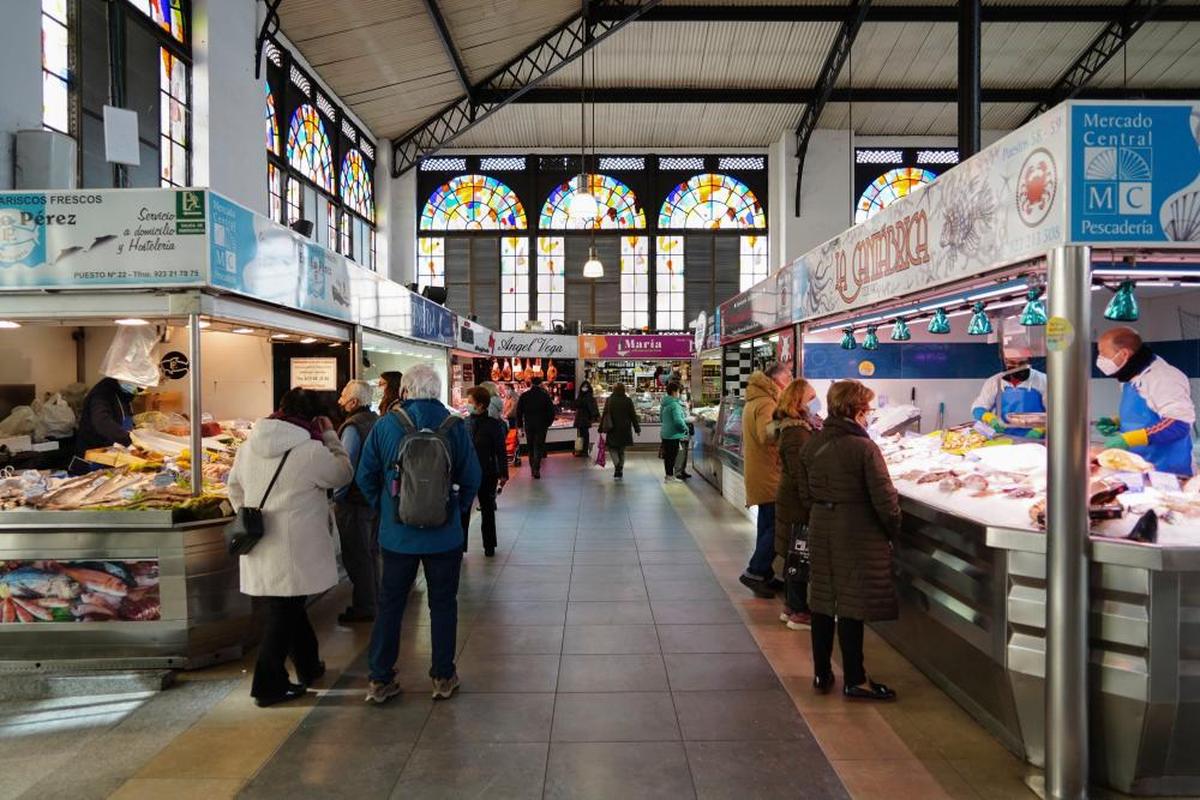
(674, 427)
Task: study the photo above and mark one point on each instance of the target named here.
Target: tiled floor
(606, 652)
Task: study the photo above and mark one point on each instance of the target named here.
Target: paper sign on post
(121, 136)
(318, 374)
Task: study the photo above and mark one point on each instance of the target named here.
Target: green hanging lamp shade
(1034, 313)
(900, 331)
(940, 324)
(979, 325)
(871, 340)
(1123, 307)
(848, 342)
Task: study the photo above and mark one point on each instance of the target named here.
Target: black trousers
(358, 529)
(487, 512)
(288, 633)
(535, 439)
(670, 453)
(850, 637)
(618, 456)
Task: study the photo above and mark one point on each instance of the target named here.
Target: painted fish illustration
(96, 581)
(30, 582)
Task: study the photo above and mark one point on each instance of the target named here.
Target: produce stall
(645, 364)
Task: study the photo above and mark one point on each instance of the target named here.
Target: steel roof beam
(949, 13)
(566, 42)
(806, 94)
(443, 30)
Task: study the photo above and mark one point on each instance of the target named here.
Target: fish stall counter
(971, 575)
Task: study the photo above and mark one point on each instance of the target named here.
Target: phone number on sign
(124, 274)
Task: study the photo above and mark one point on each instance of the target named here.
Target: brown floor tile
(856, 734)
(887, 779)
(206, 752)
(177, 789)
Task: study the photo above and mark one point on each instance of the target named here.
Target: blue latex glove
(1116, 442)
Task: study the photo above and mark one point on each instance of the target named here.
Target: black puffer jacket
(106, 409)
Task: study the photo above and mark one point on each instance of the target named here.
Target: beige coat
(759, 451)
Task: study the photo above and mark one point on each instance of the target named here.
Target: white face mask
(814, 405)
(1107, 365)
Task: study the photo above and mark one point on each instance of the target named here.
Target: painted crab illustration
(1036, 187)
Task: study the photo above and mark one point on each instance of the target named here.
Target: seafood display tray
(90, 519)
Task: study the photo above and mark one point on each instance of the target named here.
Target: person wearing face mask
(1156, 412)
(587, 414)
(356, 520)
(795, 421)
(1019, 389)
(488, 434)
(761, 460)
(107, 415)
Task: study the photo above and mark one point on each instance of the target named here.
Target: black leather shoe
(317, 674)
(489, 552)
(757, 585)
(823, 683)
(684, 476)
(350, 616)
(776, 585)
(293, 692)
(876, 691)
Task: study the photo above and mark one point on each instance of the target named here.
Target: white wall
(42, 356)
(20, 78)
(397, 214)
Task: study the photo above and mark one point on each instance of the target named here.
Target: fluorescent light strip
(1146, 273)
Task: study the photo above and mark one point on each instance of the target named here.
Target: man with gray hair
(356, 519)
(437, 550)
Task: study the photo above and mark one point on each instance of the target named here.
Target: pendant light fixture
(871, 340)
(592, 268)
(1124, 306)
(1034, 314)
(900, 331)
(940, 324)
(848, 342)
(583, 206)
(979, 325)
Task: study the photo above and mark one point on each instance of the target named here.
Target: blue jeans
(441, 584)
(762, 562)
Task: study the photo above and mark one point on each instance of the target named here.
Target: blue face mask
(127, 387)
(814, 406)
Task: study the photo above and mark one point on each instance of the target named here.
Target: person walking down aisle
(618, 424)
(488, 434)
(761, 460)
(795, 423)
(853, 514)
(586, 415)
(286, 468)
(416, 529)
(674, 428)
(356, 520)
(535, 414)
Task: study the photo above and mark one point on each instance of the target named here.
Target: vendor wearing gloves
(1019, 389)
(107, 415)
(1157, 413)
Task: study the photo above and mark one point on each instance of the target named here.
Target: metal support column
(1068, 368)
(195, 406)
(969, 91)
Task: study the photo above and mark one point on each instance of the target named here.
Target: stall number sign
(318, 374)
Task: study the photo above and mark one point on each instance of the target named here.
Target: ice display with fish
(79, 591)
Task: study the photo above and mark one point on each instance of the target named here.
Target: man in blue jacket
(438, 550)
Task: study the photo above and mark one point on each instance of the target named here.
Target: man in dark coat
(107, 416)
(488, 434)
(357, 521)
(535, 413)
(618, 424)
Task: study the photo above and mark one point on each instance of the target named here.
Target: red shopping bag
(602, 452)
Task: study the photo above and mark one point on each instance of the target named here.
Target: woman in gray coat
(852, 511)
(618, 424)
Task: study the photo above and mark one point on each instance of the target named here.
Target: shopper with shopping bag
(618, 424)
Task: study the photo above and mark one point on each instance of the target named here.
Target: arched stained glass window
(712, 201)
(616, 205)
(271, 122)
(356, 185)
(473, 203)
(308, 147)
(888, 188)
(167, 14)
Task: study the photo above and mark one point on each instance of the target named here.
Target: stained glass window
(473, 203)
(551, 279)
(308, 148)
(356, 184)
(431, 261)
(635, 282)
(56, 73)
(616, 205)
(173, 122)
(754, 265)
(712, 201)
(514, 282)
(295, 201)
(271, 121)
(668, 279)
(274, 196)
(345, 244)
(888, 188)
(167, 14)
(331, 227)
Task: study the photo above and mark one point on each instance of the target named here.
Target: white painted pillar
(20, 78)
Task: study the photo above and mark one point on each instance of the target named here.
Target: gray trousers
(681, 457)
(358, 530)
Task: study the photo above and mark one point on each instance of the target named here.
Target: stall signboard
(1005, 205)
(318, 374)
(1135, 173)
(763, 307)
(432, 321)
(637, 347)
(537, 345)
(46, 591)
(475, 338)
(111, 238)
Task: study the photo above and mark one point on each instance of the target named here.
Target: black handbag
(247, 529)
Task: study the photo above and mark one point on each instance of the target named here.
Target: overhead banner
(475, 338)
(118, 238)
(432, 322)
(634, 347)
(1135, 173)
(766, 306)
(538, 345)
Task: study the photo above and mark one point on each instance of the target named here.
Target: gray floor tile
(501, 612)
(612, 673)
(606, 572)
(615, 717)
(526, 590)
(486, 672)
(697, 589)
(671, 557)
(539, 558)
(515, 573)
(526, 639)
(608, 770)
(606, 613)
(610, 639)
(605, 546)
(676, 572)
(607, 591)
(505, 771)
(719, 671)
(607, 557)
(739, 716)
(706, 639)
(502, 717)
(778, 770)
(329, 770)
(694, 612)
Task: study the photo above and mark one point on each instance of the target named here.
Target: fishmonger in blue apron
(1020, 389)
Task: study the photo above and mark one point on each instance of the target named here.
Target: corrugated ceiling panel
(489, 34)
(1022, 55)
(1160, 54)
(917, 119)
(919, 55)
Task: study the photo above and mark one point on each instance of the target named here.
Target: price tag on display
(1164, 481)
(1134, 481)
(986, 431)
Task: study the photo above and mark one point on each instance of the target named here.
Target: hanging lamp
(900, 331)
(979, 325)
(848, 342)
(1034, 313)
(871, 340)
(940, 324)
(592, 268)
(583, 207)
(1123, 307)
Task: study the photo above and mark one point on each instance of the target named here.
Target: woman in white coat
(295, 558)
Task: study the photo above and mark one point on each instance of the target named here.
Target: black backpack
(424, 470)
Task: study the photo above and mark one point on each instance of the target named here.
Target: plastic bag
(21, 422)
(602, 451)
(57, 417)
(130, 357)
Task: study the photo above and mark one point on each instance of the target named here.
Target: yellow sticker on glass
(1060, 334)
(866, 368)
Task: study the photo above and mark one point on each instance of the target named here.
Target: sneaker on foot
(799, 620)
(379, 692)
(444, 688)
(669, 479)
